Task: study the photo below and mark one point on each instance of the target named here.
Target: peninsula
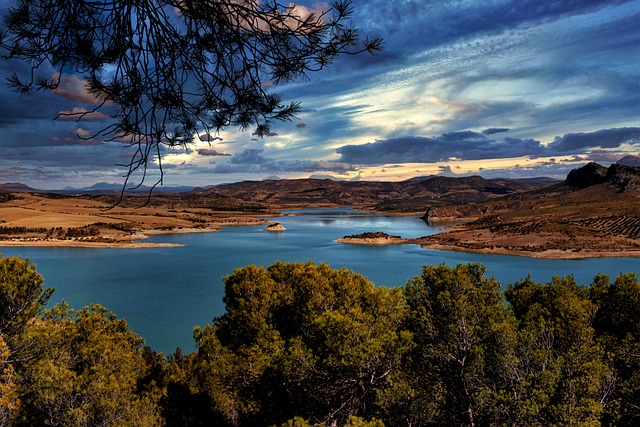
(595, 212)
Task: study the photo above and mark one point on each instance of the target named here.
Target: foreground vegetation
(302, 345)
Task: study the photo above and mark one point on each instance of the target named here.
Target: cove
(164, 292)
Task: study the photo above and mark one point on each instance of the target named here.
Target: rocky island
(372, 238)
(276, 226)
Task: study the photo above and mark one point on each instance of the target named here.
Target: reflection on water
(164, 292)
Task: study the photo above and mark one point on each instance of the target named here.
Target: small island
(276, 226)
(372, 238)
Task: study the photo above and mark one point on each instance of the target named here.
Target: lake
(164, 292)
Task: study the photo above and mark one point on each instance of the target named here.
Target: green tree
(86, 369)
(562, 376)
(21, 295)
(618, 331)
(461, 368)
(166, 70)
(299, 336)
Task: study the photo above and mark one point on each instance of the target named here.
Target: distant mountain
(414, 195)
(630, 160)
(538, 179)
(404, 196)
(17, 187)
(99, 186)
(115, 188)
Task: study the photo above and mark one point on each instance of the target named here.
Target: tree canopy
(168, 70)
(306, 345)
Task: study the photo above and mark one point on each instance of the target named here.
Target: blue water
(164, 292)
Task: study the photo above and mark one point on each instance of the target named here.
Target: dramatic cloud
(211, 152)
(491, 131)
(518, 73)
(454, 145)
(606, 138)
(470, 145)
(253, 161)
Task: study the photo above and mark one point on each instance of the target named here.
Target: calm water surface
(164, 292)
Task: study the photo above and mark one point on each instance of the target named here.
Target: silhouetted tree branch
(168, 69)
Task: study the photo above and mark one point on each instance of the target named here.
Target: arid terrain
(32, 217)
(594, 212)
(54, 220)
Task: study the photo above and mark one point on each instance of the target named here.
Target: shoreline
(135, 244)
(549, 254)
(135, 240)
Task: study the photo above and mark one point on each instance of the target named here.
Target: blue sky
(497, 88)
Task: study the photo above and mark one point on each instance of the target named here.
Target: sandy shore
(38, 220)
(86, 244)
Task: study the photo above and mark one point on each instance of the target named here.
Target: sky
(497, 88)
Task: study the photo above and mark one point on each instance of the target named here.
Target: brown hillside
(595, 212)
(405, 196)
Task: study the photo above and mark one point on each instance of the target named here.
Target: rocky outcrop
(620, 177)
(431, 216)
(586, 176)
(624, 178)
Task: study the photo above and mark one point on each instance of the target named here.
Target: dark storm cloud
(466, 145)
(606, 138)
(469, 145)
(253, 161)
(491, 131)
